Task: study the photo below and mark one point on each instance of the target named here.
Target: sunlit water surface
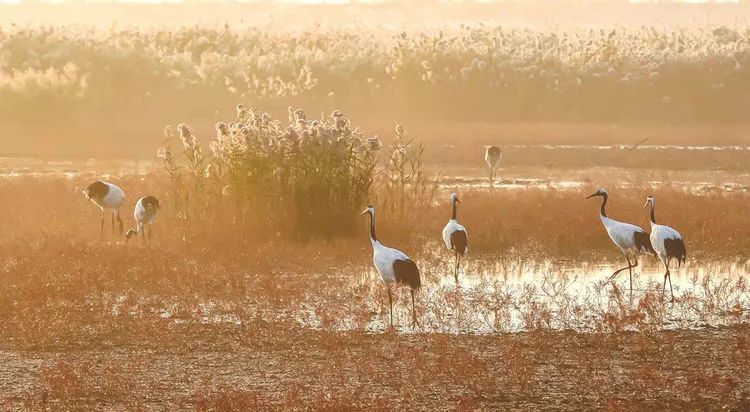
(495, 297)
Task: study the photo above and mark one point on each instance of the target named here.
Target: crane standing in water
(631, 239)
(455, 237)
(394, 267)
(668, 245)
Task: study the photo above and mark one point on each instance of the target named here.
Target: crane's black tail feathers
(407, 273)
(676, 249)
(459, 241)
(643, 243)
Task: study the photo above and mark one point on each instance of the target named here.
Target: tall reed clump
(306, 178)
(405, 187)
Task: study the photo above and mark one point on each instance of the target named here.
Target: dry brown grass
(354, 371)
(216, 319)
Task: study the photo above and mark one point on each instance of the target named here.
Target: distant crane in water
(631, 239)
(668, 245)
(394, 267)
(455, 237)
(492, 156)
(108, 197)
(146, 209)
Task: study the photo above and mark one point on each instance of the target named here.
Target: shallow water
(15, 167)
(460, 176)
(496, 297)
(544, 178)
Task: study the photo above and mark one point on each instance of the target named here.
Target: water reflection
(497, 297)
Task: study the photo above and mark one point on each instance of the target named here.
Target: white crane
(394, 267)
(668, 245)
(146, 209)
(493, 155)
(106, 196)
(631, 239)
(454, 235)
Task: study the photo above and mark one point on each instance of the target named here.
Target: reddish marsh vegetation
(220, 318)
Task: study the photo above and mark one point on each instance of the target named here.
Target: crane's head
(454, 198)
(151, 203)
(370, 209)
(600, 192)
(96, 190)
(649, 200)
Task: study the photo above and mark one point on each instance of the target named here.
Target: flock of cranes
(396, 268)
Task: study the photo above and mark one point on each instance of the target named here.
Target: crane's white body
(113, 200)
(667, 244)
(455, 237)
(143, 215)
(393, 266)
(660, 233)
(106, 196)
(623, 235)
(450, 228)
(145, 212)
(493, 157)
(384, 257)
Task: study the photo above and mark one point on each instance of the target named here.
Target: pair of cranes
(395, 267)
(664, 242)
(109, 196)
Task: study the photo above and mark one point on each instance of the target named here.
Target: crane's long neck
(373, 237)
(604, 206)
(653, 217)
(453, 210)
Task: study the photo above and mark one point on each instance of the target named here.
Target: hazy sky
(322, 1)
(394, 14)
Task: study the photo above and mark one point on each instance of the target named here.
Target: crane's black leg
(666, 275)
(149, 232)
(630, 270)
(620, 270)
(458, 263)
(101, 234)
(671, 293)
(122, 227)
(390, 303)
(113, 221)
(413, 311)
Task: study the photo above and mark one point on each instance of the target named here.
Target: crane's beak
(647, 202)
(592, 195)
(458, 201)
(364, 212)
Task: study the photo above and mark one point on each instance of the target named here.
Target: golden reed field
(263, 139)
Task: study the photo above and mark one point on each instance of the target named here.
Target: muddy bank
(269, 366)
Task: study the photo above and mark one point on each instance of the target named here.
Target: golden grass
(299, 316)
(547, 222)
(80, 78)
